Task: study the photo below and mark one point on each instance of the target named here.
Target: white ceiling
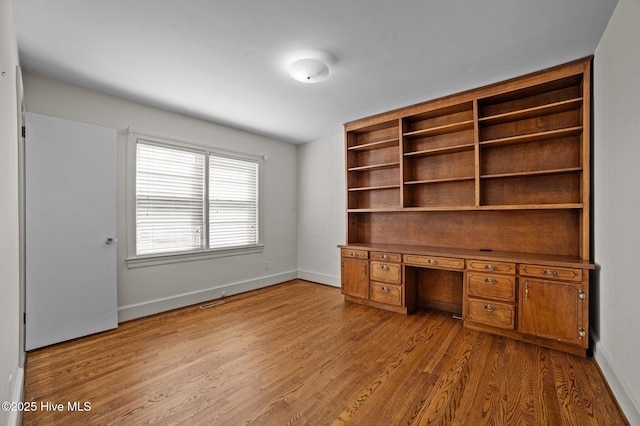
(226, 60)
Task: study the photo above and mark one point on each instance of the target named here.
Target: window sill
(162, 259)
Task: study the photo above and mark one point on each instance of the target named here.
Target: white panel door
(70, 216)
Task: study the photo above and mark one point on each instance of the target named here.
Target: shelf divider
(375, 145)
(531, 137)
(439, 130)
(374, 188)
(439, 151)
(532, 173)
(522, 114)
(375, 167)
(452, 179)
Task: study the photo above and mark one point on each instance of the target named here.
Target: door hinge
(581, 334)
(582, 296)
(24, 132)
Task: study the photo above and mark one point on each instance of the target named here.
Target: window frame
(134, 260)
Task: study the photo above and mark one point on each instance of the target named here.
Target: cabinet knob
(548, 273)
(489, 308)
(384, 257)
(489, 267)
(432, 262)
(490, 281)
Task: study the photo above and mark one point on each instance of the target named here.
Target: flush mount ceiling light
(309, 70)
(310, 66)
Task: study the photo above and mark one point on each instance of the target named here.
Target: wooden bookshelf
(503, 168)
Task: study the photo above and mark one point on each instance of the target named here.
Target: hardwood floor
(296, 353)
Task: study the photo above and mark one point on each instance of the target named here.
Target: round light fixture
(309, 70)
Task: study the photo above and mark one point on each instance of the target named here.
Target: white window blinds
(190, 200)
(169, 199)
(233, 202)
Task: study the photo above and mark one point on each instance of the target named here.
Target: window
(169, 199)
(233, 202)
(193, 200)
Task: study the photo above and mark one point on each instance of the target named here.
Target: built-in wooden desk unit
(478, 204)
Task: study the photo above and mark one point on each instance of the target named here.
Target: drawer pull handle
(384, 289)
(526, 291)
(490, 281)
(489, 308)
(489, 267)
(384, 267)
(384, 257)
(548, 273)
(432, 262)
(353, 254)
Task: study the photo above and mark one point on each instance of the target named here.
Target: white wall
(10, 373)
(151, 289)
(321, 216)
(616, 291)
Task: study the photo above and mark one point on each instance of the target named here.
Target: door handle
(110, 240)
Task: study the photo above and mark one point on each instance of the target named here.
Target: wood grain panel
(561, 188)
(374, 178)
(388, 132)
(456, 165)
(542, 94)
(460, 193)
(439, 141)
(532, 125)
(374, 199)
(540, 155)
(527, 231)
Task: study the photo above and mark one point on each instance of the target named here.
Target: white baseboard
(16, 396)
(619, 386)
(138, 310)
(316, 277)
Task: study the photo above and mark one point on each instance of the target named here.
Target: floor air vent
(212, 304)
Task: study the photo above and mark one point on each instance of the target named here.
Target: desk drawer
(386, 257)
(486, 266)
(551, 272)
(433, 261)
(495, 314)
(502, 287)
(387, 272)
(356, 254)
(385, 293)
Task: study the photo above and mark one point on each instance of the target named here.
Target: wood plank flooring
(297, 354)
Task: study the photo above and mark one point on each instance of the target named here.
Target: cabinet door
(355, 277)
(554, 310)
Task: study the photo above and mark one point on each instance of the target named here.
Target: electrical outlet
(266, 265)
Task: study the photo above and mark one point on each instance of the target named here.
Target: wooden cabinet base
(560, 346)
(387, 307)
